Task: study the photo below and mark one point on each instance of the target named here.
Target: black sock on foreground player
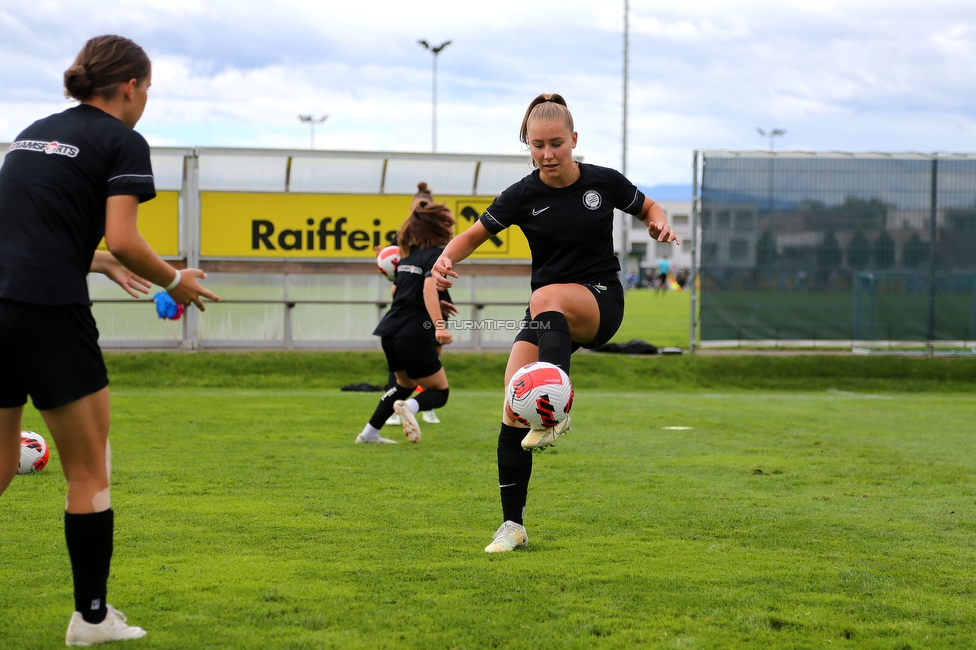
(89, 538)
(555, 341)
(385, 408)
(432, 398)
(514, 471)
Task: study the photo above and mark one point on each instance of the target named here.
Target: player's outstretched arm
(457, 250)
(107, 265)
(127, 245)
(652, 215)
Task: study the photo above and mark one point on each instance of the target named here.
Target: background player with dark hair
(565, 209)
(423, 196)
(66, 181)
(413, 328)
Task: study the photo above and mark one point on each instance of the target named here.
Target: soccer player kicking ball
(412, 330)
(565, 208)
(67, 180)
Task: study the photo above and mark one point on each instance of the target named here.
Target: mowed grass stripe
(249, 519)
(590, 371)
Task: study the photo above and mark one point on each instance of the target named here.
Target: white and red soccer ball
(387, 260)
(34, 453)
(539, 395)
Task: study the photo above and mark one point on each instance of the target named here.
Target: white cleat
(508, 537)
(539, 439)
(430, 417)
(113, 628)
(378, 440)
(393, 420)
(410, 427)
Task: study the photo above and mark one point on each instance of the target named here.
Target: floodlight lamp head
(425, 44)
(440, 47)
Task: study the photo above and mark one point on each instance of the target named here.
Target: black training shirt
(408, 313)
(569, 229)
(54, 183)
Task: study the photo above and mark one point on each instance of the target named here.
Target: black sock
(514, 471)
(89, 539)
(432, 398)
(555, 342)
(390, 381)
(385, 408)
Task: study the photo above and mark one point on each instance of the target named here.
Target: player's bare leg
(80, 431)
(10, 423)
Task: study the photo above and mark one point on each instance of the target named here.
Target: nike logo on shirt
(536, 213)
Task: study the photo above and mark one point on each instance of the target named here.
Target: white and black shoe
(113, 628)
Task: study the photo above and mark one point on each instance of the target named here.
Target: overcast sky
(854, 75)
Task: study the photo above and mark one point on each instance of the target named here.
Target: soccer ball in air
(34, 452)
(539, 395)
(387, 260)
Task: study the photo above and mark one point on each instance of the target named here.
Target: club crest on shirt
(55, 147)
(592, 199)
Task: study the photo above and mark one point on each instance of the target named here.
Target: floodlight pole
(435, 50)
(625, 218)
(933, 233)
(312, 121)
(773, 133)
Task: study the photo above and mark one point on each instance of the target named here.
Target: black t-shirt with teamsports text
(408, 314)
(55, 180)
(569, 229)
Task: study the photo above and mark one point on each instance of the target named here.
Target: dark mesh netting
(838, 247)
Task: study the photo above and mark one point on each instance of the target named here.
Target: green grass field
(841, 514)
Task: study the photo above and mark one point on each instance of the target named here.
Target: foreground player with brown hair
(66, 181)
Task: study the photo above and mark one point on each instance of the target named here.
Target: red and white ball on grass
(387, 260)
(34, 452)
(539, 395)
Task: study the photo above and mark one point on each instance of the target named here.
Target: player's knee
(88, 495)
(542, 300)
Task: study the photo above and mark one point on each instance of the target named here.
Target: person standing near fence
(663, 269)
(66, 181)
(413, 329)
(565, 209)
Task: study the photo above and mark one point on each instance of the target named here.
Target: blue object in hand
(166, 307)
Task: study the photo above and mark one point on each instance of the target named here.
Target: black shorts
(416, 354)
(49, 353)
(610, 301)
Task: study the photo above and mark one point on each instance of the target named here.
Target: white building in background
(645, 252)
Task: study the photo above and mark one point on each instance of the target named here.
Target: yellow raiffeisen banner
(159, 224)
(240, 225)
